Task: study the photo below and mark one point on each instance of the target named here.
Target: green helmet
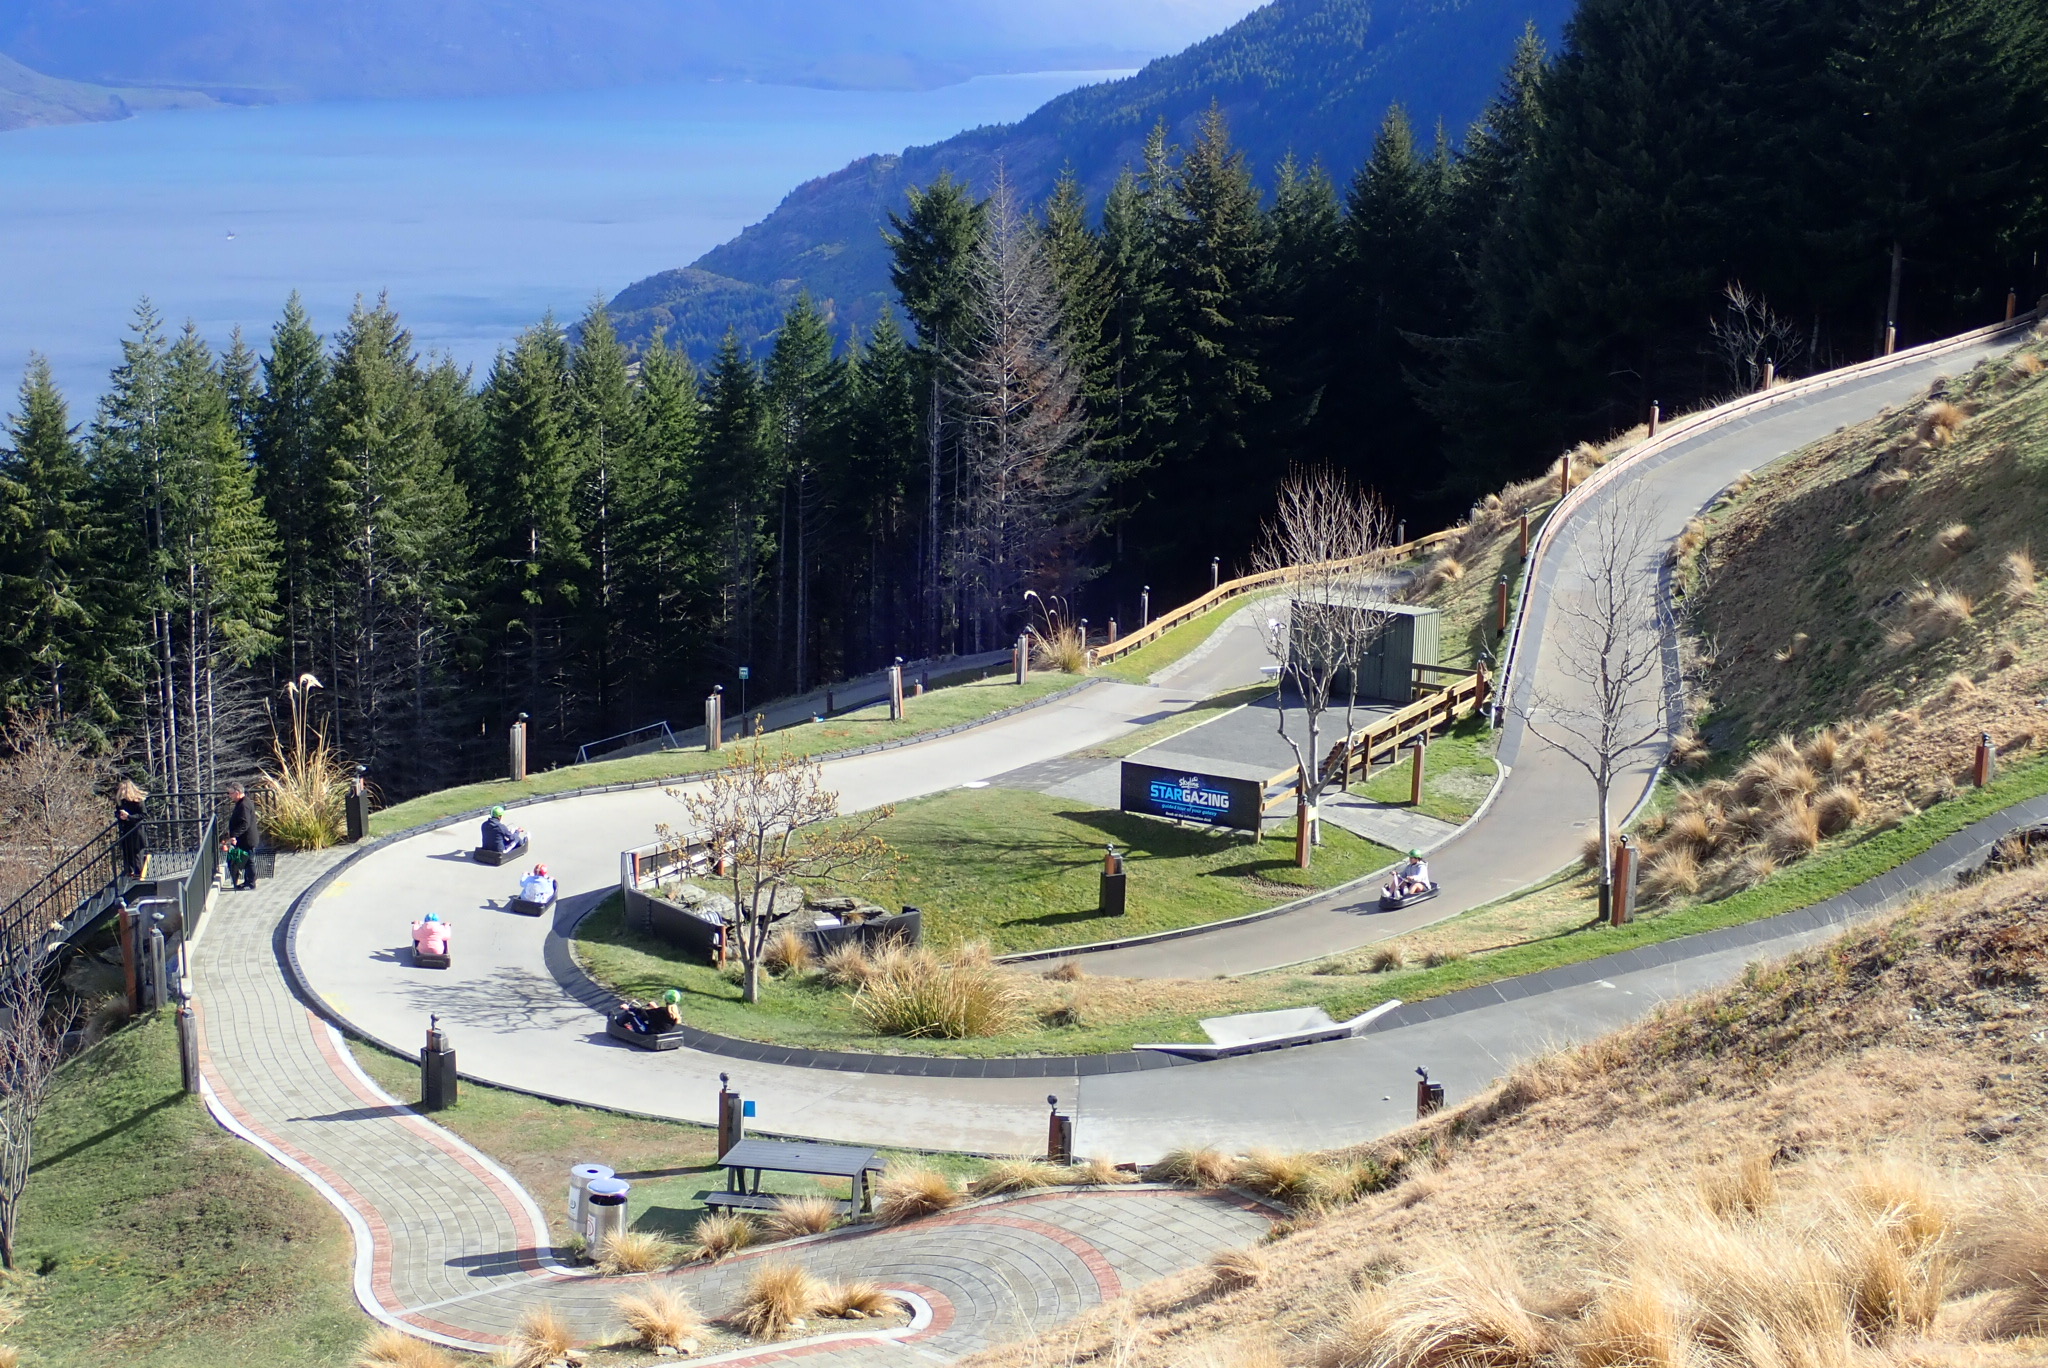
(672, 997)
(497, 812)
(1414, 854)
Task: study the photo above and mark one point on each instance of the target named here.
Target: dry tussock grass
(796, 1216)
(919, 994)
(2027, 365)
(1098, 1171)
(1235, 1268)
(786, 953)
(1940, 422)
(1205, 1167)
(541, 1338)
(638, 1251)
(721, 1234)
(1293, 1178)
(1953, 540)
(853, 1300)
(779, 1298)
(660, 1318)
(383, 1349)
(1016, 1175)
(908, 1192)
(2018, 574)
(847, 966)
(1067, 971)
(1891, 485)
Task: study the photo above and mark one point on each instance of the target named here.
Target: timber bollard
(188, 1046)
(1429, 1097)
(1522, 545)
(1985, 768)
(2012, 305)
(1770, 372)
(1500, 596)
(437, 1069)
(1144, 607)
(1415, 776)
(714, 718)
(516, 742)
(1215, 572)
(1656, 412)
(896, 691)
(1059, 1134)
(1621, 905)
(1112, 902)
(1112, 632)
(732, 1120)
(1022, 660)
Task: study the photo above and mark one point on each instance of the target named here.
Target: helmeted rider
(430, 935)
(538, 886)
(498, 835)
(1412, 877)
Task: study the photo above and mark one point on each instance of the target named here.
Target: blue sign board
(1187, 797)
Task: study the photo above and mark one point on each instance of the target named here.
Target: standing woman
(128, 801)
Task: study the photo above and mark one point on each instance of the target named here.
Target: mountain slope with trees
(1310, 78)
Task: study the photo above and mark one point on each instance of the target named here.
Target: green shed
(1408, 636)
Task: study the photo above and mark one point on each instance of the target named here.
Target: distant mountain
(1312, 77)
(290, 49)
(29, 98)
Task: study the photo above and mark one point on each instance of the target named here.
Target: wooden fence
(1438, 707)
(1245, 584)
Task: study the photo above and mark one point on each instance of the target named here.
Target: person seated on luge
(655, 1015)
(1412, 877)
(498, 835)
(538, 886)
(430, 935)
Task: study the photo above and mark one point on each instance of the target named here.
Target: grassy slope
(1174, 645)
(1457, 774)
(669, 1164)
(153, 1239)
(1909, 1040)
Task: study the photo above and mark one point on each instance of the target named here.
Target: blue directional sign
(1207, 798)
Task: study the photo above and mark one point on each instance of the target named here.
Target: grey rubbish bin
(580, 1178)
(604, 1212)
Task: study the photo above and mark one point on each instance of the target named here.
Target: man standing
(241, 839)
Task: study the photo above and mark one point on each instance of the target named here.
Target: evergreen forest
(1081, 397)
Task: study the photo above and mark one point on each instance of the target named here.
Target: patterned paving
(450, 1247)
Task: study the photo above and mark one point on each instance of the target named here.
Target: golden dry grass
(908, 1192)
(921, 994)
(383, 1349)
(660, 1318)
(1940, 422)
(1067, 971)
(861, 1297)
(1235, 1268)
(2018, 575)
(780, 1297)
(638, 1251)
(540, 1338)
(794, 1216)
(1204, 1167)
(1098, 1171)
(1830, 1164)
(1016, 1175)
(720, 1235)
(786, 953)
(1293, 1178)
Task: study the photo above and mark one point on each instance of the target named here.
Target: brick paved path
(450, 1247)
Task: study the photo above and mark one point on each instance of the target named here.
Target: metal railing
(85, 883)
(655, 736)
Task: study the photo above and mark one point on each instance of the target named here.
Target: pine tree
(875, 492)
(61, 648)
(803, 384)
(668, 536)
(398, 516)
(1143, 379)
(1308, 258)
(606, 426)
(292, 478)
(736, 484)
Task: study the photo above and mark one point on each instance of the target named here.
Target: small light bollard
(1059, 1134)
(1429, 1097)
(1144, 607)
(1985, 768)
(437, 1069)
(1215, 572)
(1500, 605)
(1621, 908)
(1656, 412)
(1022, 659)
(516, 744)
(732, 1122)
(896, 690)
(356, 806)
(714, 718)
(1522, 543)
(1417, 772)
(1113, 891)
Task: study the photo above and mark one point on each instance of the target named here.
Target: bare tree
(1016, 398)
(1327, 540)
(30, 1051)
(1604, 708)
(51, 799)
(772, 826)
(1748, 336)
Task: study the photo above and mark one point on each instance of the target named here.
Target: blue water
(476, 215)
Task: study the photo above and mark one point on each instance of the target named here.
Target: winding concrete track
(512, 1003)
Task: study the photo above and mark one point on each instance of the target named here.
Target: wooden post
(896, 692)
(1500, 594)
(1621, 908)
(2012, 304)
(1023, 660)
(1985, 767)
(714, 718)
(1522, 551)
(131, 957)
(1564, 476)
(1481, 689)
(1401, 532)
(516, 744)
(1415, 777)
(1654, 415)
(1770, 373)
(1215, 572)
(1301, 821)
(1891, 338)
(1112, 633)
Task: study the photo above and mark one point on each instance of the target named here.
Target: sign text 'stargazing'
(1188, 797)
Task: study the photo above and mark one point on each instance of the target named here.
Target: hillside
(1831, 1163)
(1312, 77)
(29, 99)
(356, 48)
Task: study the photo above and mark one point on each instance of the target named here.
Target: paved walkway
(450, 1247)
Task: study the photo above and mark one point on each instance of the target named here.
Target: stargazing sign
(1211, 799)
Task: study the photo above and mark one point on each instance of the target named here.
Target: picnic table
(791, 1156)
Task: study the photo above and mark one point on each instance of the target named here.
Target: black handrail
(92, 876)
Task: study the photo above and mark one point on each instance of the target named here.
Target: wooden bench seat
(761, 1201)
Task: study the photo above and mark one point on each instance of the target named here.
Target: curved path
(517, 1022)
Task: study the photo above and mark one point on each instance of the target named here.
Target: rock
(797, 1324)
(687, 1347)
(838, 907)
(666, 1351)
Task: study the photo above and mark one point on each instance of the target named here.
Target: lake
(477, 215)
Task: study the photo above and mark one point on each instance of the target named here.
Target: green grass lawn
(151, 1238)
(670, 1164)
(1020, 869)
(1154, 733)
(1457, 774)
(935, 711)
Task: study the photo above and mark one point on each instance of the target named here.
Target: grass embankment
(669, 1163)
(935, 711)
(1457, 774)
(151, 1238)
(1828, 1162)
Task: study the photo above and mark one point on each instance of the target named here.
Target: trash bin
(580, 1179)
(604, 1212)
